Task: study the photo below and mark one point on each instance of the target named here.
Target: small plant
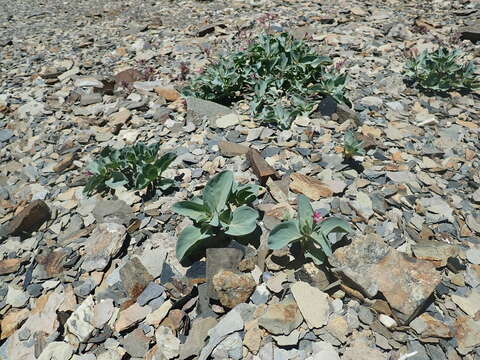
(281, 77)
(135, 167)
(220, 214)
(310, 230)
(439, 71)
(352, 146)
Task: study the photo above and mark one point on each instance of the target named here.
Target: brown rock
(12, 321)
(360, 351)
(8, 266)
(232, 288)
(427, 326)
(467, 334)
(260, 166)
(228, 148)
(372, 266)
(30, 219)
(131, 316)
(253, 336)
(169, 94)
(135, 278)
(309, 186)
(128, 77)
(174, 320)
(52, 261)
(65, 162)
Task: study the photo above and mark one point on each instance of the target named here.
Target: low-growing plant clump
(352, 146)
(280, 76)
(310, 230)
(219, 215)
(134, 167)
(440, 71)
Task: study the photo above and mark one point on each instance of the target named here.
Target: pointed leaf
(305, 214)
(244, 221)
(321, 240)
(283, 234)
(163, 163)
(193, 210)
(334, 224)
(217, 191)
(116, 180)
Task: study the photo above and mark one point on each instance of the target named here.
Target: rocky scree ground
(96, 277)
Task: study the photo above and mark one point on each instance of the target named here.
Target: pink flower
(317, 217)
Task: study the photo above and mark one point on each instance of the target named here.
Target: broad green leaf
(321, 240)
(244, 221)
(193, 210)
(116, 180)
(314, 253)
(164, 184)
(334, 224)
(305, 214)
(164, 162)
(283, 234)
(189, 240)
(217, 191)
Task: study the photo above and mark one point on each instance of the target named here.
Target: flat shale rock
(374, 267)
(313, 304)
(30, 219)
(103, 244)
(281, 318)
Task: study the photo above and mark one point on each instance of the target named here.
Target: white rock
(79, 326)
(168, 344)
(57, 350)
(387, 321)
(313, 304)
(16, 297)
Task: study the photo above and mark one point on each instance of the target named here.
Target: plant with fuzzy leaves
(281, 76)
(135, 167)
(352, 146)
(439, 71)
(219, 215)
(310, 230)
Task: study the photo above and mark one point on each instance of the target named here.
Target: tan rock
(281, 318)
(168, 93)
(233, 289)
(30, 219)
(467, 334)
(313, 304)
(11, 321)
(309, 186)
(8, 266)
(131, 316)
(253, 336)
(156, 317)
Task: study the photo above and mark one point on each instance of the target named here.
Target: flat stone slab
(373, 267)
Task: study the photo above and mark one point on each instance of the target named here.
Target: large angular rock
(309, 186)
(104, 244)
(218, 260)
(79, 325)
(313, 303)
(373, 267)
(199, 110)
(281, 318)
(196, 337)
(233, 289)
(260, 166)
(467, 334)
(30, 219)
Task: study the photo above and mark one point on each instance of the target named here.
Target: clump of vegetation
(310, 230)
(134, 167)
(440, 71)
(219, 215)
(281, 77)
(352, 146)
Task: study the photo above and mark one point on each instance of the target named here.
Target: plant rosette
(310, 229)
(222, 213)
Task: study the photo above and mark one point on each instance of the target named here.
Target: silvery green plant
(134, 167)
(220, 214)
(310, 230)
(352, 146)
(440, 71)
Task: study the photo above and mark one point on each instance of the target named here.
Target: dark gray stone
(221, 259)
(152, 291)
